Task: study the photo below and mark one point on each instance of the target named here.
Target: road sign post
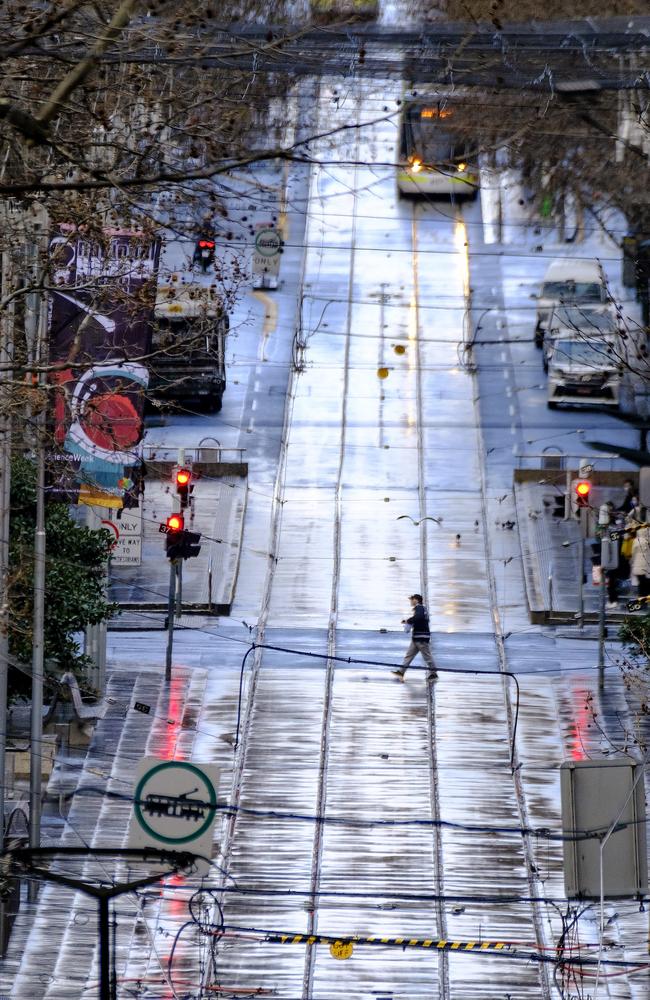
(175, 807)
(608, 564)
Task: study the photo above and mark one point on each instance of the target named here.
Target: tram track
(249, 697)
(310, 954)
(535, 887)
(337, 729)
(443, 960)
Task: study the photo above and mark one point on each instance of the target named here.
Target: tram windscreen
(426, 135)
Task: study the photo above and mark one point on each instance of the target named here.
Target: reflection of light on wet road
(579, 735)
(411, 356)
(461, 243)
(413, 323)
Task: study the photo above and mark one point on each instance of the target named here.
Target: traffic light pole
(581, 581)
(171, 600)
(601, 630)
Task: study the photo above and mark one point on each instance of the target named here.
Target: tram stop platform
(217, 511)
(550, 548)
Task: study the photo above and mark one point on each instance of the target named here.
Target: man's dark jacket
(420, 622)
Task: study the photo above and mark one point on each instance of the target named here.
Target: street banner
(100, 328)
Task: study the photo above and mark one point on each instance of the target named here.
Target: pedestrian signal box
(190, 547)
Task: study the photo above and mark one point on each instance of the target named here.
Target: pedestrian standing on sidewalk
(640, 563)
(630, 497)
(420, 639)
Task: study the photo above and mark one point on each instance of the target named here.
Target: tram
(334, 10)
(434, 159)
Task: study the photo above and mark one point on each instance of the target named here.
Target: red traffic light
(175, 522)
(206, 244)
(582, 489)
(184, 486)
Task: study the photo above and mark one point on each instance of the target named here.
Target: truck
(187, 366)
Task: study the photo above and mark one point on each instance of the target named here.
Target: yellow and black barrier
(342, 947)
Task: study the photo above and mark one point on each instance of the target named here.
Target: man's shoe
(399, 674)
(432, 675)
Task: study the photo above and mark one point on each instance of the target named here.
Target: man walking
(420, 639)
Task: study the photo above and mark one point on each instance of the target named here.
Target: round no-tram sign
(175, 805)
(268, 242)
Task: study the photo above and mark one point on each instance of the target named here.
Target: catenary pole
(6, 353)
(170, 619)
(601, 631)
(38, 627)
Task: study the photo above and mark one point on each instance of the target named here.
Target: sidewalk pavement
(59, 930)
(216, 512)
(550, 548)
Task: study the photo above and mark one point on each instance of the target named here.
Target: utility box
(596, 795)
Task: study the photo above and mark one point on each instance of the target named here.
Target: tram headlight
(416, 165)
(461, 167)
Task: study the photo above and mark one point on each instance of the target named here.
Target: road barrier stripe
(396, 942)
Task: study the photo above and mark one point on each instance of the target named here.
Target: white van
(584, 371)
(569, 282)
(583, 322)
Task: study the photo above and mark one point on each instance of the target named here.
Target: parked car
(569, 282)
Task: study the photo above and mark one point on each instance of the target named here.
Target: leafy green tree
(74, 593)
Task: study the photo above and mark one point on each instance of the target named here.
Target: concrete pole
(38, 628)
(567, 496)
(170, 620)
(6, 355)
(581, 581)
(38, 649)
(601, 630)
(104, 933)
